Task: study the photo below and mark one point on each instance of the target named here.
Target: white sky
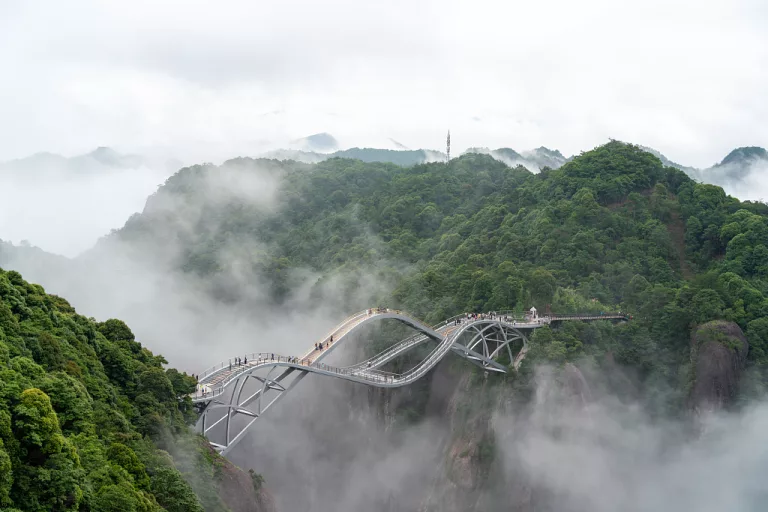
(210, 80)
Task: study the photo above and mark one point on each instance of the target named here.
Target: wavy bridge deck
(232, 396)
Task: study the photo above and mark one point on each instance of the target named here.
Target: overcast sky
(213, 79)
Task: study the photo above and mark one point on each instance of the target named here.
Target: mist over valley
(394, 257)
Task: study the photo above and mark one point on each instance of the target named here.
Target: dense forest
(613, 228)
(89, 409)
(90, 419)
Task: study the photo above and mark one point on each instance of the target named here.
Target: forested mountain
(613, 225)
(403, 157)
(322, 142)
(667, 162)
(612, 229)
(741, 166)
(90, 419)
(742, 173)
(533, 160)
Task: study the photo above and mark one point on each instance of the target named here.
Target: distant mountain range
(99, 160)
(402, 157)
(534, 160)
(743, 173)
(319, 142)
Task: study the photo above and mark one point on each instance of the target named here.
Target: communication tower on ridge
(448, 147)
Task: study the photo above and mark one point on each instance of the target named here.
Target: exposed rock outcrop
(237, 490)
(719, 351)
(575, 386)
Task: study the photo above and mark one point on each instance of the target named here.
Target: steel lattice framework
(231, 398)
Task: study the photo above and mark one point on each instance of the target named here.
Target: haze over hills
(533, 160)
(319, 142)
(197, 185)
(84, 188)
(402, 157)
(256, 254)
(399, 154)
(743, 173)
(101, 159)
(90, 194)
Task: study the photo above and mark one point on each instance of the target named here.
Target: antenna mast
(448, 147)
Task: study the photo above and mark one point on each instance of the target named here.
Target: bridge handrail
(412, 339)
(375, 373)
(583, 316)
(220, 366)
(344, 322)
(225, 364)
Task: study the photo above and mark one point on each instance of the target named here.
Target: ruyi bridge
(232, 394)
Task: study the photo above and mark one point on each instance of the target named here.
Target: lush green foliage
(89, 419)
(613, 228)
(84, 407)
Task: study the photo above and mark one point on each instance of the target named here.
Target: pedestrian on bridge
(246, 360)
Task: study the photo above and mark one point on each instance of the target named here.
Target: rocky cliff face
(238, 490)
(484, 415)
(719, 352)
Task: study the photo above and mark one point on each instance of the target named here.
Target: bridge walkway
(220, 398)
(215, 379)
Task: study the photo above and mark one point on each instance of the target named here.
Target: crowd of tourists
(493, 315)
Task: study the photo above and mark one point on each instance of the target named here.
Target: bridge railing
(225, 364)
(345, 322)
(359, 371)
(589, 316)
(256, 359)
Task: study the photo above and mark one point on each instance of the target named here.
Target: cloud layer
(211, 81)
(65, 213)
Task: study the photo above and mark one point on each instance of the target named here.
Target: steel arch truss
(225, 419)
(243, 395)
(492, 338)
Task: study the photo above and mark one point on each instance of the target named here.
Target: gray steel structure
(227, 410)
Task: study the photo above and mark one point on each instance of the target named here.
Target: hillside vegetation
(611, 229)
(88, 409)
(90, 419)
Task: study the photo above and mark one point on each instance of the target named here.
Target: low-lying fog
(66, 213)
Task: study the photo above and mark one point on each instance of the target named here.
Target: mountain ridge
(254, 240)
(101, 159)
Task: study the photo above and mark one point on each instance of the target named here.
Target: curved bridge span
(232, 396)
